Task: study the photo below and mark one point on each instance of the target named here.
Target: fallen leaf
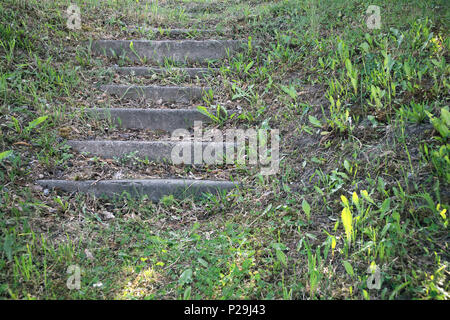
(22, 143)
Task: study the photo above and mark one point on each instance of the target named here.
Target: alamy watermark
(374, 280)
(73, 17)
(74, 280)
(234, 146)
(373, 20)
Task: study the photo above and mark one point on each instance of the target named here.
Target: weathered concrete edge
(152, 150)
(156, 93)
(177, 31)
(155, 189)
(156, 119)
(158, 50)
(148, 71)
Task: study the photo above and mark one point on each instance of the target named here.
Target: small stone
(107, 215)
(46, 192)
(88, 254)
(117, 175)
(37, 188)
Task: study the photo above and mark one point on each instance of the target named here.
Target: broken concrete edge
(154, 189)
(155, 151)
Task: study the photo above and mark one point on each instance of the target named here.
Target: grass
(364, 177)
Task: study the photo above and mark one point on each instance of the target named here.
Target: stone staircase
(151, 54)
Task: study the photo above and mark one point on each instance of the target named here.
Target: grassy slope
(284, 238)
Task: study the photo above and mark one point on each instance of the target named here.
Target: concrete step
(157, 94)
(155, 151)
(179, 51)
(154, 119)
(177, 31)
(155, 189)
(146, 71)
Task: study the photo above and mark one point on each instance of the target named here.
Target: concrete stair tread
(155, 119)
(162, 94)
(155, 189)
(179, 51)
(156, 151)
(177, 31)
(148, 71)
